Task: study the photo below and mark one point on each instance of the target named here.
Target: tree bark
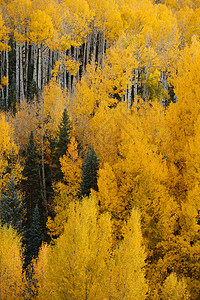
(17, 71)
(135, 86)
(21, 78)
(69, 74)
(26, 67)
(35, 51)
(39, 66)
(7, 75)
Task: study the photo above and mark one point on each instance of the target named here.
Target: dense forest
(99, 149)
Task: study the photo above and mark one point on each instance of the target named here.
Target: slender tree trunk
(84, 55)
(88, 50)
(50, 64)
(69, 73)
(39, 66)
(101, 48)
(21, 78)
(1, 75)
(17, 71)
(129, 92)
(7, 75)
(26, 67)
(59, 59)
(45, 61)
(94, 45)
(77, 59)
(164, 81)
(135, 86)
(35, 51)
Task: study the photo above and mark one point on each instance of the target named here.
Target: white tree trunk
(26, 67)
(17, 71)
(35, 56)
(21, 78)
(39, 66)
(129, 92)
(88, 50)
(135, 86)
(94, 45)
(69, 74)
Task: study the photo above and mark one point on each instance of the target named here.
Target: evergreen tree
(90, 168)
(61, 146)
(32, 181)
(12, 206)
(35, 236)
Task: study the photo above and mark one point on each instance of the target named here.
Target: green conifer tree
(90, 168)
(12, 206)
(61, 146)
(35, 236)
(32, 182)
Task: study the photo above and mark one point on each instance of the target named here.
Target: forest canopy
(99, 149)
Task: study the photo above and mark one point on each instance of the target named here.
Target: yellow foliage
(41, 27)
(27, 118)
(3, 35)
(113, 24)
(106, 128)
(53, 106)
(108, 190)
(8, 148)
(72, 65)
(73, 267)
(125, 277)
(174, 289)
(186, 76)
(165, 37)
(76, 20)
(71, 166)
(13, 283)
(4, 81)
(19, 13)
(66, 193)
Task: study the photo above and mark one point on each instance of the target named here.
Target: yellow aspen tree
(73, 267)
(54, 10)
(13, 283)
(108, 190)
(125, 275)
(76, 19)
(182, 119)
(67, 191)
(19, 13)
(142, 179)
(4, 48)
(107, 20)
(100, 89)
(165, 37)
(174, 288)
(27, 118)
(53, 106)
(41, 27)
(41, 30)
(30, 116)
(8, 148)
(182, 116)
(179, 4)
(188, 239)
(183, 17)
(3, 35)
(18, 18)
